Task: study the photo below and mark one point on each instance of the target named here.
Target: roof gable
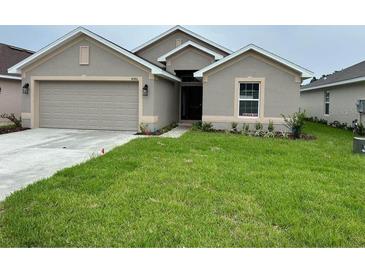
(182, 29)
(216, 56)
(75, 33)
(304, 72)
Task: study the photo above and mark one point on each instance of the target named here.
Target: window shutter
(84, 55)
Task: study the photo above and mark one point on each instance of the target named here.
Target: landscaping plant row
(294, 123)
(356, 127)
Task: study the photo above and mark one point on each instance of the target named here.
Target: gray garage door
(89, 105)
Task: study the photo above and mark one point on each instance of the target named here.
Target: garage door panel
(89, 105)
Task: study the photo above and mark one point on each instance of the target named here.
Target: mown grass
(202, 190)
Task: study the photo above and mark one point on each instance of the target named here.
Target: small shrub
(197, 125)
(269, 134)
(11, 117)
(234, 126)
(284, 134)
(259, 133)
(359, 128)
(144, 128)
(295, 123)
(323, 121)
(245, 129)
(258, 126)
(207, 126)
(270, 127)
(337, 124)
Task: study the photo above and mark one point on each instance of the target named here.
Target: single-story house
(85, 81)
(10, 84)
(334, 97)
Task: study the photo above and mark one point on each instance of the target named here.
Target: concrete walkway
(31, 155)
(176, 132)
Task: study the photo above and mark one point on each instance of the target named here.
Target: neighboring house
(334, 97)
(10, 84)
(87, 82)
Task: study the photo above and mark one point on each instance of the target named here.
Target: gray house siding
(10, 98)
(103, 62)
(154, 51)
(342, 102)
(188, 59)
(281, 90)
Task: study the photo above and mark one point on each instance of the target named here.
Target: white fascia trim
(354, 80)
(305, 73)
(183, 30)
(4, 76)
(154, 69)
(190, 43)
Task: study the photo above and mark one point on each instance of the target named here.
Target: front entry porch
(191, 103)
(191, 96)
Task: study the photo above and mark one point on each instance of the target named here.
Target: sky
(321, 49)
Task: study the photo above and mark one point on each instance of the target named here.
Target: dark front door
(191, 102)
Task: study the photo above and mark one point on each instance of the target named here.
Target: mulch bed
(159, 131)
(277, 135)
(10, 129)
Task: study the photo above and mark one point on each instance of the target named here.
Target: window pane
(249, 108)
(242, 86)
(249, 91)
(327, 97)
(327, 109)
(249, 87)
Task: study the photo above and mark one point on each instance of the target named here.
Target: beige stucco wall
(10, 98)
(166, 103)
(342, 102)
(280, 94)
(103, 62)
(188, 59)
(154, 51)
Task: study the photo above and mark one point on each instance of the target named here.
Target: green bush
(234, 126)
(295, 123)
(258, 126)
(270, 127)
(206, 126)
(197, 125)
(359, 129)
(143, 128)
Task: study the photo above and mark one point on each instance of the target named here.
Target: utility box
(360, 105)
(359, 145)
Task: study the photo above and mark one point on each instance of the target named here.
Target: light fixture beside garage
(145, 90)
(26, 88)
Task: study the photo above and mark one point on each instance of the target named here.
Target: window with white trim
(327, 103)
(249, 99)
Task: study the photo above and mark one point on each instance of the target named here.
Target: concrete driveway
(30, 155)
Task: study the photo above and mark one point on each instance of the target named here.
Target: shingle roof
(353, 72)
(10, 55)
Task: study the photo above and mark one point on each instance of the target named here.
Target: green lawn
(202, 190)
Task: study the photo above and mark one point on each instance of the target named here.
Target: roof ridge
(181, 28)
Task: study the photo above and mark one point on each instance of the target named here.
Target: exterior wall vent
(84, 55)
